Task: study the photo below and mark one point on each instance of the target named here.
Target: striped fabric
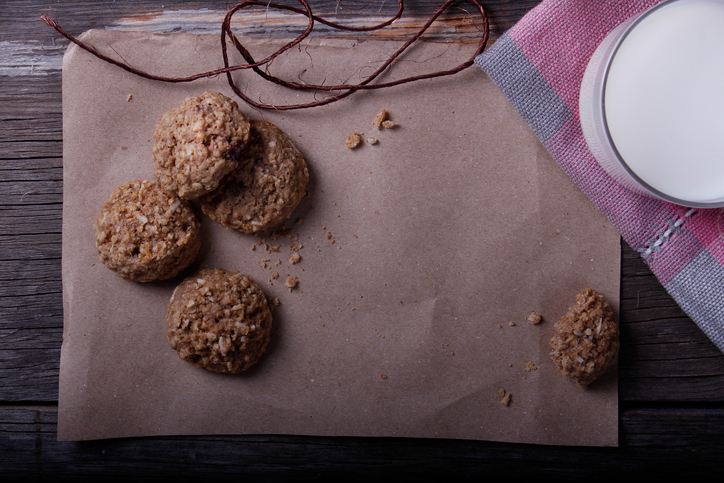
(539, 64)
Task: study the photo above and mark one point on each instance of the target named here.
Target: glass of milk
(652, 103)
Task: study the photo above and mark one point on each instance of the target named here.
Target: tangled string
(336, 92)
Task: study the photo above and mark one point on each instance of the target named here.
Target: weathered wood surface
(654, 443)
(671, 375)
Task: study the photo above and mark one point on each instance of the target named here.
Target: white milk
(664, 100)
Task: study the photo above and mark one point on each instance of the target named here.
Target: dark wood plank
(30, 376)
(29, 447)
(26, 149)
(31, 220)
(31, 190)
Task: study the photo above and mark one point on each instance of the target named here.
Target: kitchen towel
(539, 64)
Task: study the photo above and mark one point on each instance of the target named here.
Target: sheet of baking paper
(422, 257)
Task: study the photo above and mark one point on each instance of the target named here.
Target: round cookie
(219, 320)
(586, 340)
(266, 187)
(144, 233)
(198, 143)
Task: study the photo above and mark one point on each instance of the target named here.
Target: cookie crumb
(511, 323)
(530, 366)
(379, 119)
(353, 140)
(294, 258)
(291, 282)
(389, 124)
(534, 318)
(129, 97)
(383, 376)
(372, 140)
(506, 397)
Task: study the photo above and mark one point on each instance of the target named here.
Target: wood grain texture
(671, 376)
(679, 448)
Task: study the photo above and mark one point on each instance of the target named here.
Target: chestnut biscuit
(144, 233)
(266, 187)
(198, 143)
(219, 320)
(586, 340)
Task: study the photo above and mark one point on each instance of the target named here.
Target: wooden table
(671, 377)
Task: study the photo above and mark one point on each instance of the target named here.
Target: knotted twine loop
(338, 92)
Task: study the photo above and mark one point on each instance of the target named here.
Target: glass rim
(609, 139)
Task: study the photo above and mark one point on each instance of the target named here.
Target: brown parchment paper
(453, 225)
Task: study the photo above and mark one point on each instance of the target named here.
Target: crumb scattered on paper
(506, 397)
(353, 140)
(534, 318)
(379, 119)
(330, 237)
(291, 282)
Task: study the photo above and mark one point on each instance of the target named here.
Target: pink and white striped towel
(539, 64)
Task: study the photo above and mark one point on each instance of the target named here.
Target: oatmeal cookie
(144, 233)
(219, 321)
(586, 343)
(266, 187)
(198, 144)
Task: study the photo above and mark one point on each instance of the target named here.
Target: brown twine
(341, 90)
